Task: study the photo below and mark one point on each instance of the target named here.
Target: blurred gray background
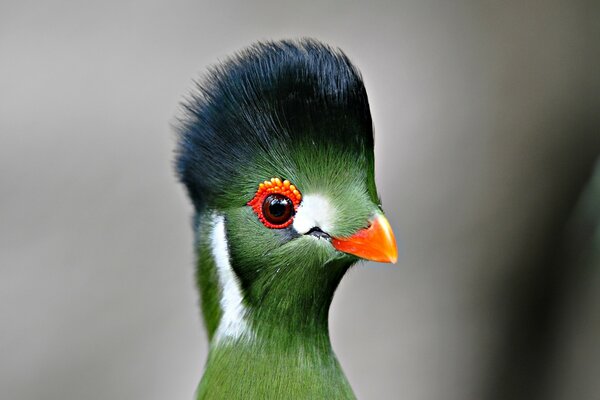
(487, 128)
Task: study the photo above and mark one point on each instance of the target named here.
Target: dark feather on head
(271, 95)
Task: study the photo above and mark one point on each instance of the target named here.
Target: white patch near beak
(314, 211)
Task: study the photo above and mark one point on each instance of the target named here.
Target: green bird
(275, 149)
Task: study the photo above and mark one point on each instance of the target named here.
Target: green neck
(285, 351)
(271, 370)
(299, 314)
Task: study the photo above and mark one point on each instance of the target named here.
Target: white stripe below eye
(314, 211)
(232, 323)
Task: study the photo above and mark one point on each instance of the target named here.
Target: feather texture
(295, 110)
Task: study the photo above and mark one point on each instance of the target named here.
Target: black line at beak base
(318, 233)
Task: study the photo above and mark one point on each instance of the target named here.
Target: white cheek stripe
(232, 323)
(315, 210)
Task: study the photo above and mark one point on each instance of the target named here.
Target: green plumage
(299, 112)
(289, 354)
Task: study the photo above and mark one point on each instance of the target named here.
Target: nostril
(317, 232)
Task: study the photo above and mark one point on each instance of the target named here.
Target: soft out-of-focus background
(487, 128)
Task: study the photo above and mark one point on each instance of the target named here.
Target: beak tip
(392, 257)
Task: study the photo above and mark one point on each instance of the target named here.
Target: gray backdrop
(486, 117)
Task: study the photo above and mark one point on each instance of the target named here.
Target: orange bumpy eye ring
(274, 186)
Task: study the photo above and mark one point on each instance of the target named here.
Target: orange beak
(375, 243)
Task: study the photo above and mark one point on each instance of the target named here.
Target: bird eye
(277, 209)
(275, 203)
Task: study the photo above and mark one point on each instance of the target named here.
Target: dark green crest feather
(264, 104)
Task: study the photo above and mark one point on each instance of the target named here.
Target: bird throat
(270, 346)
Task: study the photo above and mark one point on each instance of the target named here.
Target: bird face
(336, 208)
(278, 145)
(315, 215)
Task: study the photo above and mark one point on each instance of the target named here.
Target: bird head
(277, 144)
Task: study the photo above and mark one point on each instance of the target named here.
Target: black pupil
(277, 209)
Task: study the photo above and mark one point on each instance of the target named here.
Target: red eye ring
(269, 199)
